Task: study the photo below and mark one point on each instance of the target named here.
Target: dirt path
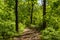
(29, 34)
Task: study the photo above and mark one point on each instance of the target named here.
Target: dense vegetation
(7, 18)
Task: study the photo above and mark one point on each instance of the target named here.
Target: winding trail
(29, 34)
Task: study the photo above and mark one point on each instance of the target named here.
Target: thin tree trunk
(16, 11)
(32, 10)
(44, 13)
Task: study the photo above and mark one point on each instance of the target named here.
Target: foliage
(50, 34)
(7, 18)
(52, 31)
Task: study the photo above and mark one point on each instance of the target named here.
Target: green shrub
(8, 29)
(50, 34)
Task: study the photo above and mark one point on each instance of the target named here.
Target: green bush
(8, 29)
(50, 34)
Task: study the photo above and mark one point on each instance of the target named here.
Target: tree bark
(44, 14)
(16, 11)
(32, 10)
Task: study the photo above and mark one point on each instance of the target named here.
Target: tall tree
(44, 13)
(32, 9)
(16, 11)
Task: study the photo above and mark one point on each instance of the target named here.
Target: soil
(29, 34)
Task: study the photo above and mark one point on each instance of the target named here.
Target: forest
(19, 16)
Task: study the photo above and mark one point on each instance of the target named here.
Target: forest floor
(29, 34)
